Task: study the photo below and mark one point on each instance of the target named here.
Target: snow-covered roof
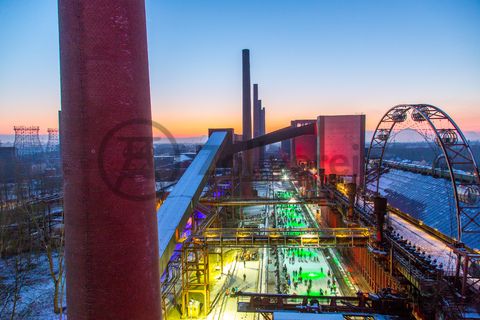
(425, 198)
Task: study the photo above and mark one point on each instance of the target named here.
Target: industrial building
(325, 233)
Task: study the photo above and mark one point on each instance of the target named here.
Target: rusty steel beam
(272, 137)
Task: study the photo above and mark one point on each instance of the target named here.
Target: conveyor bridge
(256, 237)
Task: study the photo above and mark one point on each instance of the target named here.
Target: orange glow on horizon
(187, 129)
(194, 122)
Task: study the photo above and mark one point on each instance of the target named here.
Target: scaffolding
(195, 278)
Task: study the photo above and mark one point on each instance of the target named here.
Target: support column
(221, 256)
(111, 240)
(351, 194)
(321, 177)
(195, 277)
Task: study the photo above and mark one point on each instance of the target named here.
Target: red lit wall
(341, 142)
(303, 148)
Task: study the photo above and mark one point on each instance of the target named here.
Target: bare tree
(27, 227)
(16, 261)
(50, 233)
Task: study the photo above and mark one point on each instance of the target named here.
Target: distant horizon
(473, 136)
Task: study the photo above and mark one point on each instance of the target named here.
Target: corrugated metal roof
(425, 198)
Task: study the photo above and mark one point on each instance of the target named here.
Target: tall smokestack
(262, 128)
(256, 112)
(256, 125)
(246, 110)
(262, 119)
(111, 242)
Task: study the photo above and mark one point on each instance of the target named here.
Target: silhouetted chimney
(246, 110)
(256, 112)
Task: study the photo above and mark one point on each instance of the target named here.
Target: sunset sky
(310, 57)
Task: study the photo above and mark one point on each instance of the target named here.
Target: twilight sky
(310, 57)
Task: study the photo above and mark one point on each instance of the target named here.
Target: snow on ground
(226, 308)
(35, 288)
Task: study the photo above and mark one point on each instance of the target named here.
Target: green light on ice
(312, 275)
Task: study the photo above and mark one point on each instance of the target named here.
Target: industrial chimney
(246, 111)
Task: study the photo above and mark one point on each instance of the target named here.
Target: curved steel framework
(453, 145)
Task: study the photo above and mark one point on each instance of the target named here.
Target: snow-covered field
(34, 299)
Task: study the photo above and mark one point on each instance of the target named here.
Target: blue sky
(309, 58)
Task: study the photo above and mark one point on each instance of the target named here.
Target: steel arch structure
(454, 147)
